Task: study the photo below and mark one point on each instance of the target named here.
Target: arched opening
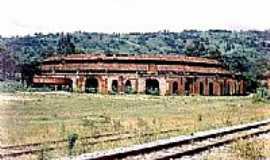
(201, 88)
(69, 86)
(152, 87)
(211, 89)
(128, 87)
(188, 83)
(91, 85)
(114, 86)
(175, 88)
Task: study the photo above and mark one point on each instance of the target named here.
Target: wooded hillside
(247, 52)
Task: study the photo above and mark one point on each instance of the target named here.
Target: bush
(72, 138)
(128, 90)
(11, 86)
(262, 95)
(112, 92)
(42, 89)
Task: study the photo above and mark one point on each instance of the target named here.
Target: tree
(190, 48)
(214, 52)
(65, 45)
(2, 47)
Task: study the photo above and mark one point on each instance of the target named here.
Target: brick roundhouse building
(159, 74)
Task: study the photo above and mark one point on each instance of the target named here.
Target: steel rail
(141, 149)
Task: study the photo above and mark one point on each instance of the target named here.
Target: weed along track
(184, 145)
(38, 148)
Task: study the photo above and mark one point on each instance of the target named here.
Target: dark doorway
(114, 86)
(175, 88)
(152, 87)
(69, 86)
(91, 85)
(188, 82)
(201, 88)
(128, 87)
(211, 89)
(229, 89)
(59, 87)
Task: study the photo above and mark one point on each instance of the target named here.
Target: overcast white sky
(20, 17)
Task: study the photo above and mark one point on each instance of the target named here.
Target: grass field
(32, 117)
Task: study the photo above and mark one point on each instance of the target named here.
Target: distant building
(7, 67)
(161, 74)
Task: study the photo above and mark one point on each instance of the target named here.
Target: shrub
(262, 95)
(112, 92)
(11, 86)
(128, 90)
(41, 89)
(72, 138)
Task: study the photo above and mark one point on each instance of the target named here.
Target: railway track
(12, 151)
(182, 146)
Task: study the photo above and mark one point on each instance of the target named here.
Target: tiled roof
(150, 57)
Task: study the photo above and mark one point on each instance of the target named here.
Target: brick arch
(92, 85)
(152, 85)
(175, 88)
(115, 86)
(211, 88)
(201, 88)
(127, 86)
(188, 86)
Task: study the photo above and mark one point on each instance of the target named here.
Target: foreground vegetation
(38, 117)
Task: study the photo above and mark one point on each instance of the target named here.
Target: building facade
(150, 74)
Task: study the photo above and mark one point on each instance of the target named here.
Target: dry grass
(41, 117)
(248, 149)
